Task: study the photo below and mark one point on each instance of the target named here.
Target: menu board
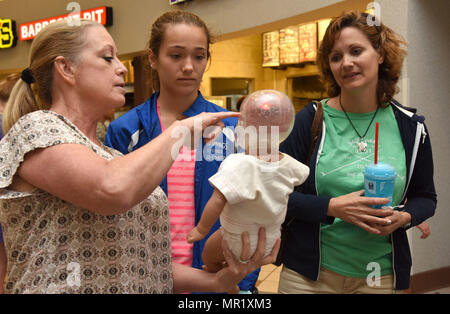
(307, 42)
(289, 47)
(294, 44)
(271, 51)
(322, 26)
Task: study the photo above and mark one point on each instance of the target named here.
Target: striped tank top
(180, 194)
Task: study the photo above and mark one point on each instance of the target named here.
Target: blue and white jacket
(140, 125)
(307, 210)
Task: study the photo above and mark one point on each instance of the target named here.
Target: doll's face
(270, 109)
(267, 116)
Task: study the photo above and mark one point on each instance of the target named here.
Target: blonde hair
(57, 39)
(6, 86)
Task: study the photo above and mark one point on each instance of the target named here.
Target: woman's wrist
(406, 219)
(331, 211)
(189, 279)
(202, 229)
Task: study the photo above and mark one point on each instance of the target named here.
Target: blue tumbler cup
(379, 181)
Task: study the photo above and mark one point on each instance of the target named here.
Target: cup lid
(380, 170)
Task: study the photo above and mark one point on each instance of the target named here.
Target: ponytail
(21, 101)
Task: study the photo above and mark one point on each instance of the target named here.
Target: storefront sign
(102, 15)
(8, 37)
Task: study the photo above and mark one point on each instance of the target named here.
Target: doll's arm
(209, 217)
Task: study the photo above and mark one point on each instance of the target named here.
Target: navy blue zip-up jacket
(141, 124)
(307, 210)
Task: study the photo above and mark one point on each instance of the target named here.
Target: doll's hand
(425, 229)
(194, 235)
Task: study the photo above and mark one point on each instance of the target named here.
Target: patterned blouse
(54, 246)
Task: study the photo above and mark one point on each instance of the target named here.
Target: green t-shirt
(346, 248)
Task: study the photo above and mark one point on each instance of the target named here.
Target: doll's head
(267, 116)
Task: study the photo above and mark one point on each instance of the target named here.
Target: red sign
(102, 15)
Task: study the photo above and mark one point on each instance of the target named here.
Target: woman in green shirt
(336, 242)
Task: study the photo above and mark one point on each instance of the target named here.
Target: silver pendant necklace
(362, 144)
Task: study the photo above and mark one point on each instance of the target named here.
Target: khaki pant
(330, 282)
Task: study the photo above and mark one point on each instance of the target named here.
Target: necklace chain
(351, 123)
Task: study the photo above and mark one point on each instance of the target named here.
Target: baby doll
(251, 189)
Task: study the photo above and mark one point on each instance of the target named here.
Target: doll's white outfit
(257, 194)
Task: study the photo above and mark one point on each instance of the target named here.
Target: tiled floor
(270, 275)
(440, 291)
(268, 279)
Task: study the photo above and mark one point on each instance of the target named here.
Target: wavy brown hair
(383, 39)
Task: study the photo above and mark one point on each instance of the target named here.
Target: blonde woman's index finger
(225, 115)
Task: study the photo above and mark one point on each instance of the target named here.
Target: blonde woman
(6, 86)
(79, 217)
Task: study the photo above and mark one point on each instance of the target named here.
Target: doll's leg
(210, 214)
(212, 253)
